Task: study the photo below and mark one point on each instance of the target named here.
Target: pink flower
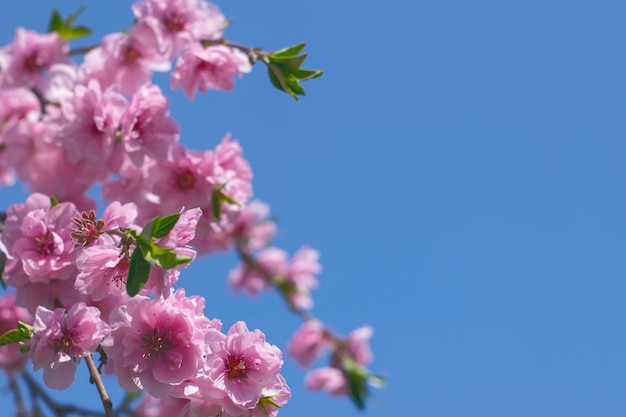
(271, 262)
(30, 55)
(156, 344)
(253, 230)
(93, 116)
(241, 365)
(308, 343)
(178, 23)
(45, 248)
(147, 128)
(126, 60)
(211, 68)
(183, 180)
(327, 379)
(358, 345)
(103, 269)
(301, 274)
(61, 339)
(11, 359)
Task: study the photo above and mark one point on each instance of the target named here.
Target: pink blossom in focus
(241, 365)
(327, 379)
(179, 23)
(103, 269)
(308, 343)
(156, 344)
(211, 68)
(61, 339)
(45, 247)
(11, 359)
(30, 54)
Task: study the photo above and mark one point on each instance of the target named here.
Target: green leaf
(148, 230)
(165, 225)
(25, 329)
(24, 347)
(70, 19)
(357, 378)
(216, 204)
(53, 201)
(292, 62)
(12, 336)
(66, 29)
(278, 80)
(138, 272)
(165, 258)
(289, 51)
(56, 22)
(304, 75)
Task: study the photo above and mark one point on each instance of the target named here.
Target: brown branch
(19, 400)
(94, 378)
(59, 410)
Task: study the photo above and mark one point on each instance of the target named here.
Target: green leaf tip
(65, 28)
(283, 67)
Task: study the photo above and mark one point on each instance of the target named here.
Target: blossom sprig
(263, 267)
(83, 284)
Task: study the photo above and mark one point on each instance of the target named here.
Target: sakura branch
(81, 283)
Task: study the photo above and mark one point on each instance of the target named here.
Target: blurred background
(461, 168)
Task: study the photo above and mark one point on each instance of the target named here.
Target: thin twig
(95, 379)
(19, 400)
(59, 410)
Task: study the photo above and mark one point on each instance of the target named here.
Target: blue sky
(461, 168)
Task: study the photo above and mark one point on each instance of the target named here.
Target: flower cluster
(83, 283)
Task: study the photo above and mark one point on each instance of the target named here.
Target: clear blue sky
(461, 166)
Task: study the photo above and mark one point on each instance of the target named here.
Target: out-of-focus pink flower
(327, 379)
(183, 180)
(271, 261)
(179, 23)
(61, 339)
(308, 343)
(301, 273)
(358, 344)
(30, 54)
(253, 230)
(93, 116)
(11, 359)
(126, 60)
(211, 68)
(147, 128)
